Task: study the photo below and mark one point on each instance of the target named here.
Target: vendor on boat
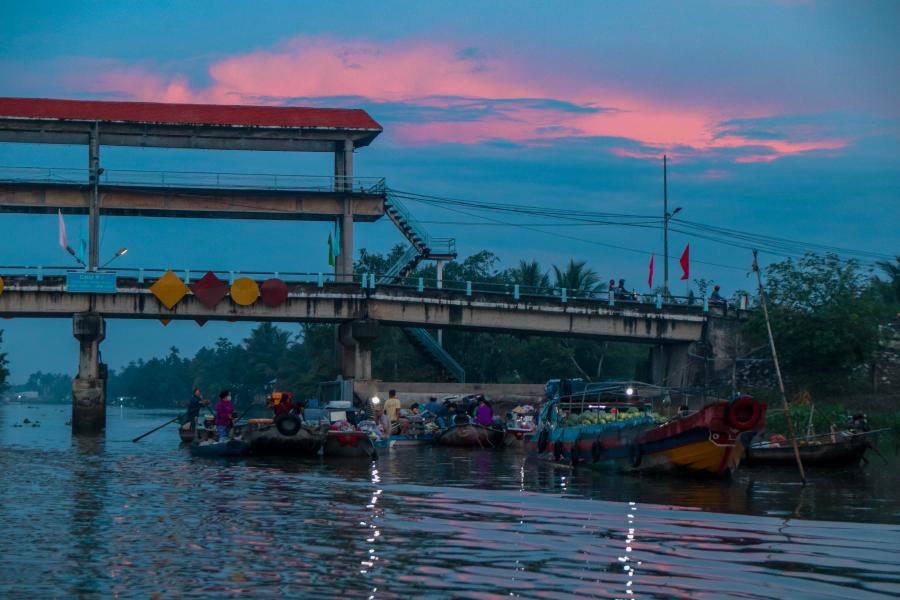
(392, 406)
(383, 421)
(193, 408)
(224, 415)
(282, 404)
(483, 414)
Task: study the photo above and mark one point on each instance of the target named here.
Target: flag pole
(787, 412)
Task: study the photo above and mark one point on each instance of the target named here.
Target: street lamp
(121, 252)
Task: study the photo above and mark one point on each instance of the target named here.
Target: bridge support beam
(670, 365)
(356, 340)
(89, 387)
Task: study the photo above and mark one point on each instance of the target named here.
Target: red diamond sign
(209, 290)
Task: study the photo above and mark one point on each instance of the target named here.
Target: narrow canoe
(215, 449)
(470, 435)
(835, 455)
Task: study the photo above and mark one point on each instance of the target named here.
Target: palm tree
(890, 288)
(529, 276)
(578, 278)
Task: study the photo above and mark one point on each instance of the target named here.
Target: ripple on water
(108, 518)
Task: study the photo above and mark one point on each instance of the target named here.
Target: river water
(111, 518)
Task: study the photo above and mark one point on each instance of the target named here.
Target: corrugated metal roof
(188, 114)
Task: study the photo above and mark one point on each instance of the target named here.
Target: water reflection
(94, 519)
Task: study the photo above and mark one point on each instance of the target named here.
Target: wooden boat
(210, 449)
(846, 451)
(286, 436)
(349, 444)
(470, 435)
(186, 435)
(627, 436)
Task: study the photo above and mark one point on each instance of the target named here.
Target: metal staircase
(423, 247)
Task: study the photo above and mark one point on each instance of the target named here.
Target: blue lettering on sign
(90, 282)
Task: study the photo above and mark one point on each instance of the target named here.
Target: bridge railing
(195, 179)
(370, 282)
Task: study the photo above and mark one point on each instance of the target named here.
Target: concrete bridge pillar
(89, 387)
(670, 365)
(356, 340)
(343, 182)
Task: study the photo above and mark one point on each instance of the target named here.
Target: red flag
(650, 278)
(686, 262)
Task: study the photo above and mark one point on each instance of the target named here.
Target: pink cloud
(425, 74)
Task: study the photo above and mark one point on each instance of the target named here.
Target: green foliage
(4, 370)
(51, 387)
(825, 318)
(578, 276)
(888, 284)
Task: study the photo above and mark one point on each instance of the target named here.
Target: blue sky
(781, 118)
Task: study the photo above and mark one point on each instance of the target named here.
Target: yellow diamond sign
(244, 291)
(169, 289)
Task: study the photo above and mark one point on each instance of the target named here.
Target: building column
(94, 172)
(89, 387)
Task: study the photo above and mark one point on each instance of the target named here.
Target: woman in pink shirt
(224, 415)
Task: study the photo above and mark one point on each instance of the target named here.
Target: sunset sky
(780, 118)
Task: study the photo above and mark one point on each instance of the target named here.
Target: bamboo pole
(787, 412)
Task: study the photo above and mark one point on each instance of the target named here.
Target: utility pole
(666, 216)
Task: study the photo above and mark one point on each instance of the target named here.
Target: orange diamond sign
(1, 285)
(244, 291)
(169, 289)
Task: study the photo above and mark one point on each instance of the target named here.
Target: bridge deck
(391, 305)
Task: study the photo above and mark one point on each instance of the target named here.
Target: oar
(140, 437)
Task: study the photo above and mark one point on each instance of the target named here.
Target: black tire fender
(636, 453)
(543, 440)
(596, 451)
(287, 425)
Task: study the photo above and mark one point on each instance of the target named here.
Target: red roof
(188, 114)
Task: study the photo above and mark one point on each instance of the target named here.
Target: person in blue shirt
(432, 406)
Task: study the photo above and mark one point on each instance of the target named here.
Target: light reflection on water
(99, 518)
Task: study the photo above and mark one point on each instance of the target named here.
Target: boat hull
(349, 444)
(401, 440)
(265, 439)
(470, 435)
(220, 449)
(835, 455)
(703, 443)
(186, 435)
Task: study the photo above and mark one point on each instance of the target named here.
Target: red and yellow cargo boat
(581, 429)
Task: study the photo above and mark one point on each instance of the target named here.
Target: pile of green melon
(602, 418)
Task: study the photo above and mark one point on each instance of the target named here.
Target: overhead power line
(561, 217)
